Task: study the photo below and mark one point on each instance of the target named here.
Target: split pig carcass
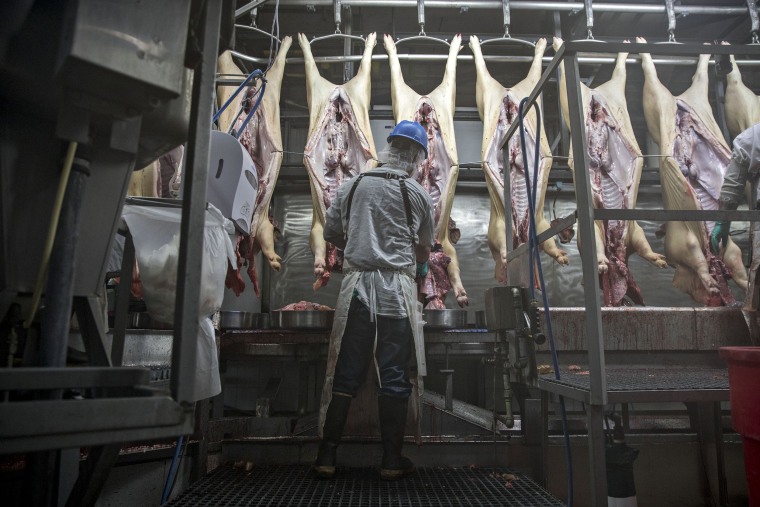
(692, 167)
(339, 146)
(262, 138)
(438, 173)
(498, 108)
(615, 165)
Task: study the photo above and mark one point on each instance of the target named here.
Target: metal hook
(507, 20)
(254, 15)
(421, 16)
(752, 8)
(671, 11)
(336, 13)
(589, 16)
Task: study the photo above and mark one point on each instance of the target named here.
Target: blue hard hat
(411, 130)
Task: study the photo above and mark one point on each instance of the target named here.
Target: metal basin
(445, 319)
(143, 320)
(302, 319)
(243, 320)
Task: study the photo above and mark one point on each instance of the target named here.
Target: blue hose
(534, 257)
(255, 73)
(260, 93)
(172, 472)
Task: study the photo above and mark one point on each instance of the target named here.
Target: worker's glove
(720, 235)
(422, 269)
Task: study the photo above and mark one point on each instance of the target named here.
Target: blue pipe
(255, 73)
(535, 259)
(260, 93)
(172, 472)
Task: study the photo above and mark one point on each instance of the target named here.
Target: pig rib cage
(596, 393)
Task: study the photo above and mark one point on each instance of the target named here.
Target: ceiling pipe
(531, 5)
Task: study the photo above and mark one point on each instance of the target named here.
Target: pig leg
(276, 71)
(619, 72)
(641, 246)
(225, 65)
(448, 87)
(318, 246)
(401, 93)
(601, 258)
(453, 271)
(732, 256)
(359, 87)
(536, 66)
(602, 262)
(550, 247)
(690, 255)
(658, 101)
(497, 243)
(265, 238)
(314, 82)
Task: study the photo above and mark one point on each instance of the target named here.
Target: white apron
(414, 312)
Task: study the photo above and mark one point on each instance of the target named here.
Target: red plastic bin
(744, 382)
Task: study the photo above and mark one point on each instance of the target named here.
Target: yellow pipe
(47, 252)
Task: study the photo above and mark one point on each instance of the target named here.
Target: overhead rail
(521, 5)
(498, 58)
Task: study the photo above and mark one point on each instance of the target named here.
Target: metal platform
(295, 486)
(651, 384)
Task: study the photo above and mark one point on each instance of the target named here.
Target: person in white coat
(744, 168)
(383, 221)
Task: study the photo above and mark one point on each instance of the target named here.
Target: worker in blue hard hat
(383, 221)
(744, 168)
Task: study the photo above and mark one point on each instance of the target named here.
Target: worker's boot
(324, 466)
(392, 424)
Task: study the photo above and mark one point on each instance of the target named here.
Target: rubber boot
(392, 425)
(335, 419)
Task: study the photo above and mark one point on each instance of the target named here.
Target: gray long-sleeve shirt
(744, 166)
(379, 242)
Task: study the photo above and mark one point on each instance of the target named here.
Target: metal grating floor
(293, 485)
(653, 379)
(645, 384)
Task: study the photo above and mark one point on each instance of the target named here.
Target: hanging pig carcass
(693, 163)
(615, 164)
(262, 139)
(498, 108)
(438, 173)
(339, 146)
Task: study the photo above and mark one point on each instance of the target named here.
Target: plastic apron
(414, 313)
